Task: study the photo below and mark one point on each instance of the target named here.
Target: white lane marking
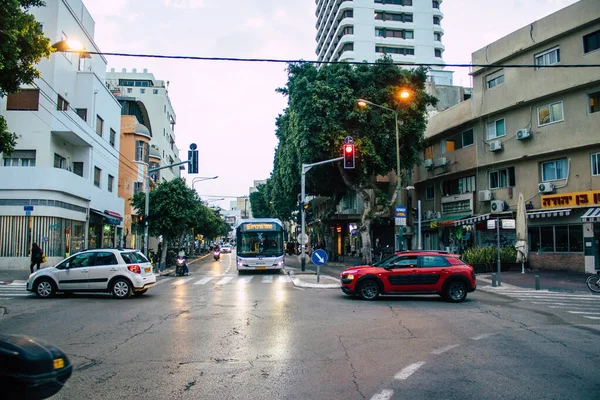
(12, 289)
(17, 284)
(204, 281)
(553, 303)
(15, 294)
(284, 279)
(225, 280)
(483, 336)
(585, 316)
(245, 279)
(575, 308)
(267, 279)
(385, 394)
(584, 312)
(408, 371)
(444, 349)
(549, 298)
(182, 281)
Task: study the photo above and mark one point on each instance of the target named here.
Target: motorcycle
(180, 268)
(217, 255)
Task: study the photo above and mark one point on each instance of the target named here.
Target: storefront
(104, 230)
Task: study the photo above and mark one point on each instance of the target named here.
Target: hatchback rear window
(134, 257)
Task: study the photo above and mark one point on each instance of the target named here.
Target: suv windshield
(385, 261)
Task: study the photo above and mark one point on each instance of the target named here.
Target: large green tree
(22, 45)
(322, 110)
(260, 201)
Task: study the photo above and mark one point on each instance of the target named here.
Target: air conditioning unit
(496, 145)
(485, 195)
(498, 206)
(428, 163)
(545, 187)
(523, 134)
(440, 162)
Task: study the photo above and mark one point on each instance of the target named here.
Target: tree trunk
(165, 248)
(365, 234)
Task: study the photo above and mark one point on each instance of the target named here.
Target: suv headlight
(349, 277)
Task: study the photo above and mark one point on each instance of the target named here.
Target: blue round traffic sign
(319, 257)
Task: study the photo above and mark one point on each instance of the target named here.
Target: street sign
(27, 208)
(303, 238)
(400, 221)
(400, 216)
(509, 224)
(319, 257)
(348, 140)
(28, 213)
(491, 224)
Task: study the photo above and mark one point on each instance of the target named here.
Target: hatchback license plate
(147, 270)
(59, 363)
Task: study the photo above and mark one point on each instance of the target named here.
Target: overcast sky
(229, 108)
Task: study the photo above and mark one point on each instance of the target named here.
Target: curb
(299, 283)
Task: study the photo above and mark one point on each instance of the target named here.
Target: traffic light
(348, 150)
(308, 211)
(193, 159)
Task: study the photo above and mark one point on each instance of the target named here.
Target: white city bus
(259, 245)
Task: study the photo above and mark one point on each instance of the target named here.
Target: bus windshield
(260, 244)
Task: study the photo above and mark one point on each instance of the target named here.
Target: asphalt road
(214, 335)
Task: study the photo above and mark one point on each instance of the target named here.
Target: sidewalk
(329, 273)
(556, 281)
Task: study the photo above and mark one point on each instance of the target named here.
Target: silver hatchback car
(117, 271)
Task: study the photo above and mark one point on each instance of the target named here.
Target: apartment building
(525, 130)
(59, 187)
(410, 31)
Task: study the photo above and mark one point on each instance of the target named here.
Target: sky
(229, 108)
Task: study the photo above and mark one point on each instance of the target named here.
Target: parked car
(412, 272)
(117, 271)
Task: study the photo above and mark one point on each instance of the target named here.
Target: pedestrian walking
(36, 256)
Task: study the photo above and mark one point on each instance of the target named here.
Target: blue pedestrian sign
(319, 257)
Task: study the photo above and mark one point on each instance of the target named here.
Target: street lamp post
(363, 103)
(419, 247)
(202, 178)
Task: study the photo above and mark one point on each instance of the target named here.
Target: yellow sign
(574, 199)
(256, 227)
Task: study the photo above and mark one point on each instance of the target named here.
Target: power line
(300, 61)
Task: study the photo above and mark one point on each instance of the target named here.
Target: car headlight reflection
(349, 277)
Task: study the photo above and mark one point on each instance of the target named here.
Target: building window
(556, 239)
(547, 57)
(347, 47)
(111, 180)
(594, 102)
(82, 112)
(438, 52)
(396, 33)
(395, 50)
(495, 79)
(142, 91)
(398, 17)
(550, 113)
(135, 82)
(154, 91)
(596, 164)
(396, 2)
(129, 90)
(457, 141)
(138, 187)
(555, 170)
(437, 36)
(436, 20)
(81, 63)
(429, 193)
(78, 168)
(468, 138)
(348, 30)
(502, 178)
(23, 100)
(99, 125)
(62, 104)
(495, 129)
(60, 161)
(436, 4)
(97, 176)
(20, 158)
(113, 135)
(142, 150)
(429, 153)
(459, 186)
(591, 42)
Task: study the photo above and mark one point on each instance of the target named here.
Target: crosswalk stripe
(245, 279)
(267, 279)
(584, 312)
(204, 281)
(544, 296)
(575, 307)
(585, 316)
(584, 301)
(14, 294)
(285, 279)
(225, 280)
(182, 281)
(12, 289)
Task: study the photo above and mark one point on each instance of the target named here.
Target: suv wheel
(45, 288)
(368, 290)
(455, 292)
(120, 289)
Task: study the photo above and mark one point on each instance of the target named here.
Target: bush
(489, 255)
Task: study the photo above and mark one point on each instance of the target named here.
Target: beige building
(532, 130)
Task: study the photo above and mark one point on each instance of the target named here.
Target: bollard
(493, 280)
(537, 282)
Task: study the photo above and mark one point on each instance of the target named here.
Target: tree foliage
(22, 45)
(260, 202)
(322, 110)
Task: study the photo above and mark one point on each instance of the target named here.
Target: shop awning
(549, 213)
(109, 219)
(480, 218)
(447, 220)
(591, 215)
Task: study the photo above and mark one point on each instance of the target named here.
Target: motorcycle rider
(216, 250)
(181, 254)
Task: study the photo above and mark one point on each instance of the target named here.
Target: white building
(65, 167)
(154, 94)
(409, 31)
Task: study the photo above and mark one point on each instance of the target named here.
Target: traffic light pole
(305, 169)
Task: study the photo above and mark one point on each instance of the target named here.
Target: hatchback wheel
(120, 289)
(45, 288)
(455, 292)
(368, 290)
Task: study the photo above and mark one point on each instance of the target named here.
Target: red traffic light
(348, 156)
(349, 148)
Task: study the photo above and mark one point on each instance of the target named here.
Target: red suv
(412, 272)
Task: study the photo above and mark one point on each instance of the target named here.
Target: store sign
(491, 224)
(574, 199)
(508, 224)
